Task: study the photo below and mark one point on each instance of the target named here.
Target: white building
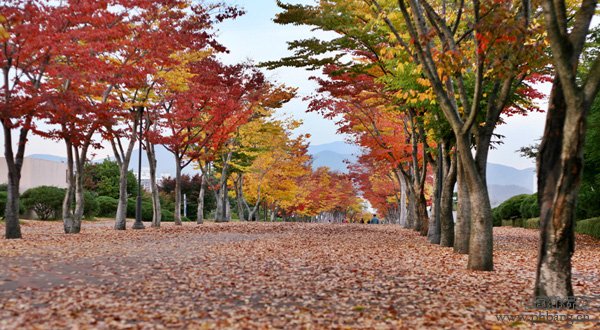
(37, 172)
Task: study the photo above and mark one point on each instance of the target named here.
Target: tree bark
(79, 191)
(274, 213)
(200, 211)
(239, 195)
(463, 214)
(14, 164)
(402, 205)
(123, 156)
(481, 235)
(434, 230)
(559, 174)
(156, 207)
(446, 205)
(555, 172)
(67, 206)
(177, 214)
(222, 196)
(421, 208)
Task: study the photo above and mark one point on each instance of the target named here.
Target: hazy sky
(255, 37)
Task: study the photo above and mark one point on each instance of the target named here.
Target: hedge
(107, 206)
(45, 201)
(529, 207)
(533, 223)
(589, 227)
(3, 195)
(513, 223)
(146, 209)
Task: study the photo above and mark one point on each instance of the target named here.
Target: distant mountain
(165, 161)
(334, 155)
(500, 193)
(339, 147)
(505, 175)
(333, 160)
(53, 158)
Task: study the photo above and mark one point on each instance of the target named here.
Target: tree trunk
(222, 203)
(411, 209)
(156, 207)
(67, 206)
(177, 214)
(434, 230)
(239, 195)
(14, 163)
(558, 173)
(222, 200)
(200, 211)
(73, 214)
(121, 216)
(481, 236)
(123, 158)
(402, 205)
(79, 192)
(421, 209)
(274, 213)
(266, 211)
(462, 226)
(446, 217)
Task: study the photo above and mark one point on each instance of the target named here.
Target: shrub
(166, 215)
(146, 209)
(45, 201)
(3, 195)
(513, 223)
(529, 207)
(497, 219)
(533, 223)
(4, 187)
(90, 205)
(103, 178)
(107, 206)
(589, 227)
(510, 208)
(169, 216)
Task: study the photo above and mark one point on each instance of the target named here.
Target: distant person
(374, 221)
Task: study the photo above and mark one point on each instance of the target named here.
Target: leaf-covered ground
(263, 275)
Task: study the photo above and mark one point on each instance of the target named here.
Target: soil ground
(275, 275)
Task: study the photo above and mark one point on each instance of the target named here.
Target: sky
(256, 37)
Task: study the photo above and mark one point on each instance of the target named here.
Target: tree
(559, 173)
(77, 95)
(278, 162)
(103, 178)
(45, 201)
(27, 33)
